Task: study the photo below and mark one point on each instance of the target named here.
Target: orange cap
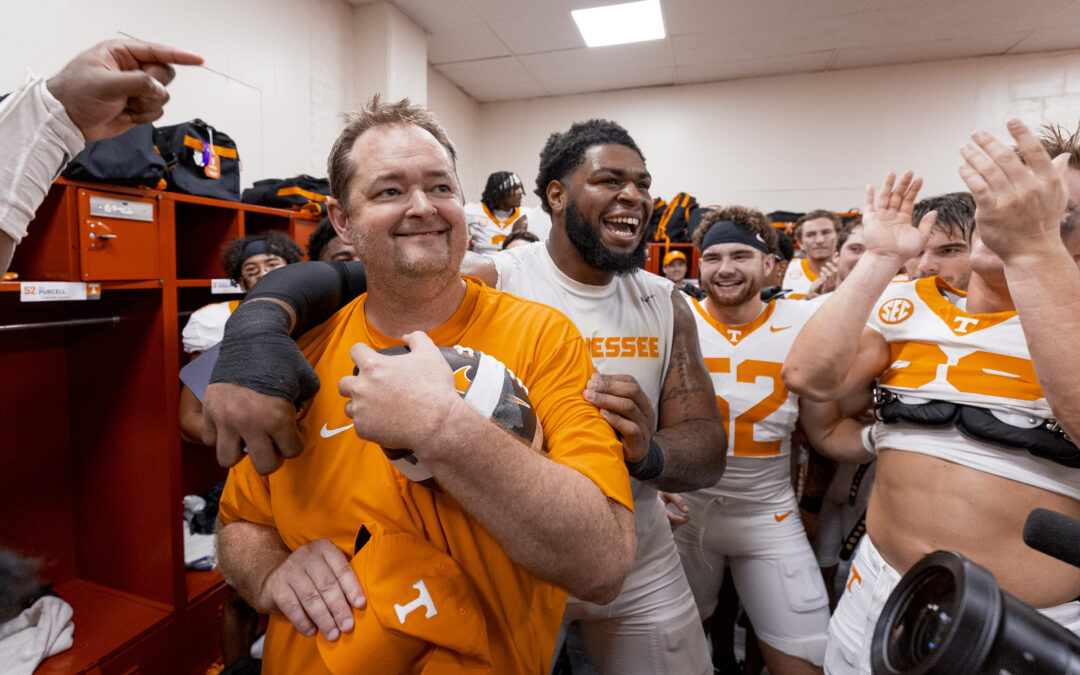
(673, 256)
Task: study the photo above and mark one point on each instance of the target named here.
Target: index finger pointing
(149, 52)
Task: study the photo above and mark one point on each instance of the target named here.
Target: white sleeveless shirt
(628, 326)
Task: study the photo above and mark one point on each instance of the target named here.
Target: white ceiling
(509, 49)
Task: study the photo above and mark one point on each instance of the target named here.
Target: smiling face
(733, 274)
(605, 204)
(675, 271)
(406, 216)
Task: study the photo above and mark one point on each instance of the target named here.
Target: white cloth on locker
(44, 629)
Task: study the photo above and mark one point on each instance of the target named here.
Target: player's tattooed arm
(689, 429)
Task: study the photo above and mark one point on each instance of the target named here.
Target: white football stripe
(485, 392)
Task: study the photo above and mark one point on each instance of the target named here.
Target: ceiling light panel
(620, 24)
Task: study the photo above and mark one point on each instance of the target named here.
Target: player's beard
(751, 289)
(584, 237)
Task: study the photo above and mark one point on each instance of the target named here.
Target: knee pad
(804, 594)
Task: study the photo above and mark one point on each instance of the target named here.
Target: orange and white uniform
(442, 596)
(488, 229)
(941, 352)
(206, 326)
(652, 626)
(798, 278)
(750, 520)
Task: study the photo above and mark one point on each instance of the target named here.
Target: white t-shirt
(206, 326)
(628, 325)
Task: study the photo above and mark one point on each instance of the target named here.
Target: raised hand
(887, 227)
(1019, 204)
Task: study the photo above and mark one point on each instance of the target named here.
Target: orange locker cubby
(94, 471)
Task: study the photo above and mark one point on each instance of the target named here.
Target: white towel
(39, 632)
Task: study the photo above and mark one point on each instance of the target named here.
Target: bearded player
(749, 519)
(985, 369)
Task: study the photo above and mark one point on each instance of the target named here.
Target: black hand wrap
(258, 354)
(651, 465)
(315, 290)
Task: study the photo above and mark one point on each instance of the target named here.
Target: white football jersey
(798, 278)
(759, 412)
(488, 230)
(938, 351)
(628, 325)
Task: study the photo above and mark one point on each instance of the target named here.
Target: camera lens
(924, 619)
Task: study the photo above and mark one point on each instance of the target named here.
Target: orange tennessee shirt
(341, 482)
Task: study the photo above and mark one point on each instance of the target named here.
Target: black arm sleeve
(315, 290)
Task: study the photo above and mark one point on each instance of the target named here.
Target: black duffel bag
(302, 192)
(132, 159)
(207, 163)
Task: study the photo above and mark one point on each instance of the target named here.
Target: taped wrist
(315, 290)
(258, 354)
(810, 504)
(650, 466)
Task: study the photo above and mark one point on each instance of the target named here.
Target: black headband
(728, 232)
(253, 248)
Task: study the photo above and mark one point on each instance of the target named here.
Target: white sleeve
(37, 140)
(205, 327)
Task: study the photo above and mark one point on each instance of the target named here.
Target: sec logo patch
(895, 310)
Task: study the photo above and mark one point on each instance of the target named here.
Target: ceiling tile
(598, 61)
(933, 50)
(500, 10)
(432, 16)
(539, 33)
(786, 38)
(464, 42)
(760, 67)
(504, 70)
(499, 91)
(696, 16)
(579, 84)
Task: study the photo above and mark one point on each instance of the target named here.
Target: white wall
(459, 113)
(801, 141)
(277, 71)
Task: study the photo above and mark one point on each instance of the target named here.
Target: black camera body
(948, 616)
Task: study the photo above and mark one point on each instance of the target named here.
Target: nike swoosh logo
(787, 513)
(777, 329)
(327, 432)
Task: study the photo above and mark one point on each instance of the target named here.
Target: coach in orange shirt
(468, 577)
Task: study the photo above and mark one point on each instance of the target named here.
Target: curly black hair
(565, 151)
(500, 185)
(277, 243)
(318, 240)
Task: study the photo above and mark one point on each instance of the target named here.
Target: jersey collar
(735, 334)
(933, 291)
